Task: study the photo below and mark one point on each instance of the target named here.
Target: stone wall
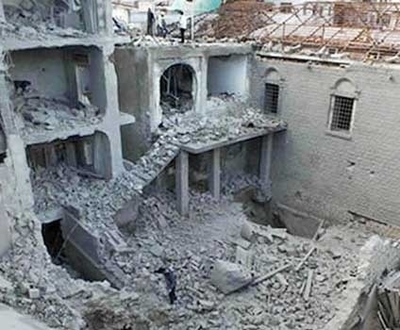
(330, 175)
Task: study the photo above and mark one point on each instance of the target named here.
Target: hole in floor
(256, 210)
(267, 213)
(54, 241)
(56, 246)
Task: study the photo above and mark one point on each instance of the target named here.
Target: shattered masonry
(237, 161)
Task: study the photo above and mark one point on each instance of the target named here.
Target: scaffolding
(364, 29)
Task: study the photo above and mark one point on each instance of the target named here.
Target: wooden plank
(307, 290)
(301, 263)
(271, 274)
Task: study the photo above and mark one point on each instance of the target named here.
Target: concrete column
(202, 85)
(111, 121)
(71, 154)
(265, 162)
(182, 182)
(5, 234)
(109, 25)
(215, 173)
(50, 155)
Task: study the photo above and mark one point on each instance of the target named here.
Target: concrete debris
(40, 114)
(192, 248)
(247, 231)
(229, 277)
(35, 22)
(229, 118)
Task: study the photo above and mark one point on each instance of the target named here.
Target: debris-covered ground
(32, 19)
(301, 296)
(38, 114)
(191, 246)
(97, 200)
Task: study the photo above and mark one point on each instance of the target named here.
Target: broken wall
(45, 70)
(325, 174)
(133, 80)
(227, 74)
(64, 73)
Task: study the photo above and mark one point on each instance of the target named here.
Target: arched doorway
(177, 89)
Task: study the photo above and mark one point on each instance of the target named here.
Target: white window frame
(281, 86)
(345, 134)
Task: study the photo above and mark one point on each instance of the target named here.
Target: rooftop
(363, 31)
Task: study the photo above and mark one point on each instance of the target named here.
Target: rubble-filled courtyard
(243, 178)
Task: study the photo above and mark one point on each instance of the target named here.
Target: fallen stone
(5, 285)
(34, 293)
(244, 257)
(229, 277)
(206, 305)
(247, 231)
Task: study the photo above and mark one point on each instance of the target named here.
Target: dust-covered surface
(190, 246)
(39, 116)
(158, 236)
(29, 20)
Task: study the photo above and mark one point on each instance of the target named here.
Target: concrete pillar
(50, 155)
(5, 234)
(102, 147)
(265, 162)
(109, 24)
(182, 182)
(112, 116)
(71, 154)
(215, 173)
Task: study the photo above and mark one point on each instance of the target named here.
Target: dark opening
(54, 241)
(56, 246)
(176, 89)
(76, 152)
(271, 98)
(342, 113)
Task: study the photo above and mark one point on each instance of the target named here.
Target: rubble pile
(31, 19)
(95, 200)
(227, 118)
(231, 274)
(41, 114)
(209, 245)
(30, 283)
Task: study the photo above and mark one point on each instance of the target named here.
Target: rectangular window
(342, 113)
(271, 98)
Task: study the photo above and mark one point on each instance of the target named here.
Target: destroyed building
(258, 161)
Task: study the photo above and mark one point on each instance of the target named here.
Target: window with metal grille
(271, 98)
(342, 113)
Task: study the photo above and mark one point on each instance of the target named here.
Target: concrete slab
(198, 148)
(11, 319)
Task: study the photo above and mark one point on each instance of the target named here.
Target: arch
(345, 87)
(178, 88)
(272, 74)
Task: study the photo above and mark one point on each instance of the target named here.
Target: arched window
(272, 91)
(343, 99)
